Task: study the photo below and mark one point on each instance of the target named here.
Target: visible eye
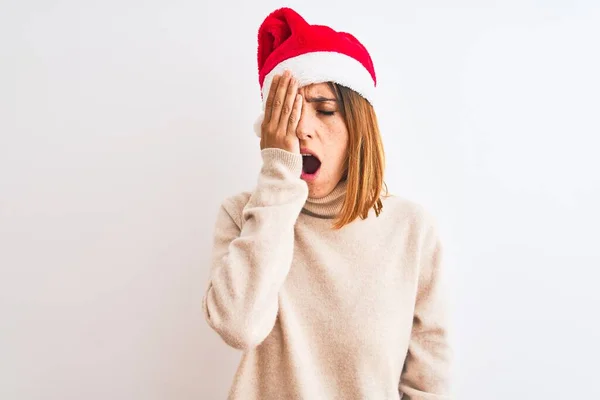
(323, 112)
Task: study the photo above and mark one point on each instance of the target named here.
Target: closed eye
(322, 112)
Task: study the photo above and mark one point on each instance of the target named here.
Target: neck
(328, 206)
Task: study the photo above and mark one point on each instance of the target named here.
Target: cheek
(337, 140)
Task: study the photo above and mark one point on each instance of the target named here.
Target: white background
(124, 124)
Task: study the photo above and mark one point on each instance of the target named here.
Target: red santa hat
(313, 54)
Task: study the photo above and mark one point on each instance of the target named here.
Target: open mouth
(310, 164)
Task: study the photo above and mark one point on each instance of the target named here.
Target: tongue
(310, 164)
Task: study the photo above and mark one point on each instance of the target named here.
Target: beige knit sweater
(323, 314)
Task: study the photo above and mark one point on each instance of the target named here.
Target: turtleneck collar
(328, 206)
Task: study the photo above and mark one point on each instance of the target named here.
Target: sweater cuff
(291, 161)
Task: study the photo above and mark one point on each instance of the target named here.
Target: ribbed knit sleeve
(426, 374)
(250, 262)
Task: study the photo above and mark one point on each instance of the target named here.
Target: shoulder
(410, 214)
(404, 208)
(417, 226)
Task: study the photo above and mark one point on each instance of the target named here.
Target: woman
(330, 286)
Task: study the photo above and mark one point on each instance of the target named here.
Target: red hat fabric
(313, 54)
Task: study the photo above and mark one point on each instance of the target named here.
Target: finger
(295, 116)
(288, 104)
(279, 99)
(271, 97)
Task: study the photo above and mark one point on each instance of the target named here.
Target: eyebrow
(319, 99)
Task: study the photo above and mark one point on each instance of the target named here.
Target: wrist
(291, 160)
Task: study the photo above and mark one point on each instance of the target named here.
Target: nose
(304, 130)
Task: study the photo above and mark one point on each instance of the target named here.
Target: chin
(317, 190)
(320, 184)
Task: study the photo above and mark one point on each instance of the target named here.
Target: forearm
(249, 265)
